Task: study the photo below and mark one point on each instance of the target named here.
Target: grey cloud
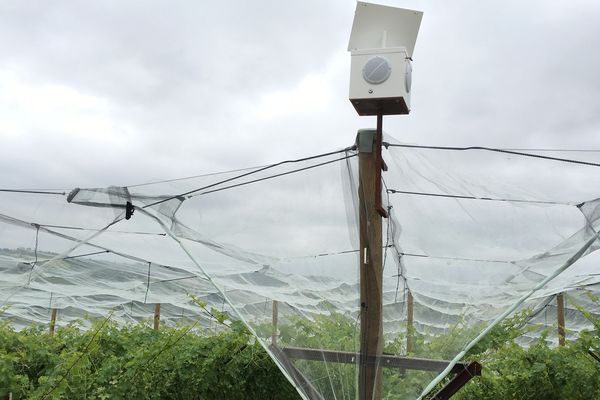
(186, 79)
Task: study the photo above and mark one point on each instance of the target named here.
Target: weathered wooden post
(371, 257)
(560, 318)
(409, 322)
(274, 333)
(53, 321)
(156, 316)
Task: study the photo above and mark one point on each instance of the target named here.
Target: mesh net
(472, 237)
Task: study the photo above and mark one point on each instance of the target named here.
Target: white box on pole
(381, 45)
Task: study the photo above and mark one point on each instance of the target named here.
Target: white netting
(467, 245)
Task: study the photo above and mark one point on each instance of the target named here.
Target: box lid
(376, 26)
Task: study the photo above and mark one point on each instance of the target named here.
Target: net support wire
(492, 149)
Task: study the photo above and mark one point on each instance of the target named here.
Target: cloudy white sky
(113, 92)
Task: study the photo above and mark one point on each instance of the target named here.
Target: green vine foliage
(137, 362)
(539, 372)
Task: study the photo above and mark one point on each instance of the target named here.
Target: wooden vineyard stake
(560, 318)
(409, 322)
(156, 316)
(275, 316)
(53, 321)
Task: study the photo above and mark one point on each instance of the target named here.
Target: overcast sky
(114, 92)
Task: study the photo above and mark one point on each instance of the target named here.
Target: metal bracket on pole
(365, 140)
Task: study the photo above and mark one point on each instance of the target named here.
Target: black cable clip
(129, 208)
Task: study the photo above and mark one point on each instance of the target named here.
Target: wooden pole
(371, 272)
(409, 322)
(275, 316)
(560, 318)
(156, 316)
(53, 321)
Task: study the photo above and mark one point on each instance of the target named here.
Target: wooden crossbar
(463, 372)
(386, 360)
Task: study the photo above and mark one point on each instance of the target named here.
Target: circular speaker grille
(377, 70)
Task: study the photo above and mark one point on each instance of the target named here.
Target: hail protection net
(473, 236)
